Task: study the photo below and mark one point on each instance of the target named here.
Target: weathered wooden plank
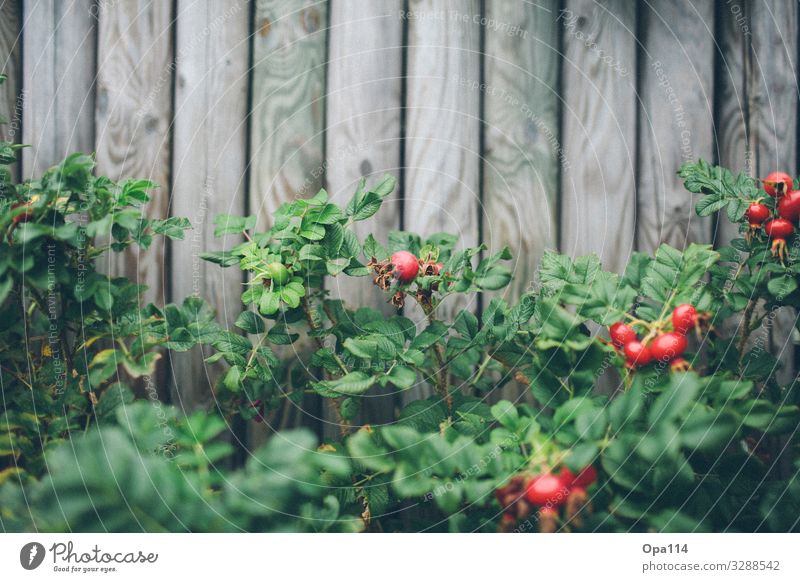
(58, 80)
(288, 104)
(287, 117)
(522, 134)
(442, 141)
(675, 118)
(599, 91)
(522, 140)
(772, 102)
(133, 116)
(363, 137)
(732, 118)
(209, 159)
(10, 63)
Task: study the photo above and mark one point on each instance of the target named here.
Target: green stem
(441, 377)
(485, 364)
(336, 403)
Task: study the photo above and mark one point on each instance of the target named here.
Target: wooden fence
(537, 124)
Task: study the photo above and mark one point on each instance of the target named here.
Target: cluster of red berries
(547, 493)
(778, 185)
(403, 267)
(664, 347)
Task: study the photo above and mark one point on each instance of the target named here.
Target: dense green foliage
(705, 442)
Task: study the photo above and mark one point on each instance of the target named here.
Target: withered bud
(398, 299)
(507, 523)
(577, 505)
(548, 520)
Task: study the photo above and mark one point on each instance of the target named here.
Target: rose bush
(649, 400)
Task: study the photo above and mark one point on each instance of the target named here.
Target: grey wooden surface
(547, 124)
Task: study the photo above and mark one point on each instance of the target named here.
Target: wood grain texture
(362, 132)
(522, 135)
(599, 126)
(522, 141)
(287, 125)
(10, 65)
(209, 159)
(288, 103)
(675, 119)
(772, 101)
(732, 119)
(442, 141)
(132, 120)
(59, 43)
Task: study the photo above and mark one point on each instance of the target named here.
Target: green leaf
(782, 286)
(350, 384)
(229, 224)
(250, 322)
(269, 303)
(363, 448)
(402, 377)
(232, 379)
(5, 288)
(506, 414)
(673, 270)
(708, 205)
(709, 431)
(679, 394)
(373, 248)
(558, 270)
(582, 456)
(336, 266)
(494, 278)
(173, 227)
(279, 334)
(290, 296)
(625, 408)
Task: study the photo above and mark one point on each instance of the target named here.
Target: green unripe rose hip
(278, 273)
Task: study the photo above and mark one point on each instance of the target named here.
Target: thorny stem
(336, 403)
(62, 336)
(441, 376)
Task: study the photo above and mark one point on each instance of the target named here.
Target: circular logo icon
(31, 555)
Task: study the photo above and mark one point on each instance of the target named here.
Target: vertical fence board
(675, 123)
(363, 137)
(773, 109)
(286, 142)
(58, 80)
(10, 63)
(522, 137)
(132, 119)
(599, 124)
(732, 119)
(209, 158)
(288, 105)
(442, 191)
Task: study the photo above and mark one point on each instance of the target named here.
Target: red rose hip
(621, 334)
(586, 477)
(757, 214)
(637, 354)
(789, 206)
(777, 184)
(546, 489)
(780, 228)
(684, 318)
(668, 346)
(406, 266)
